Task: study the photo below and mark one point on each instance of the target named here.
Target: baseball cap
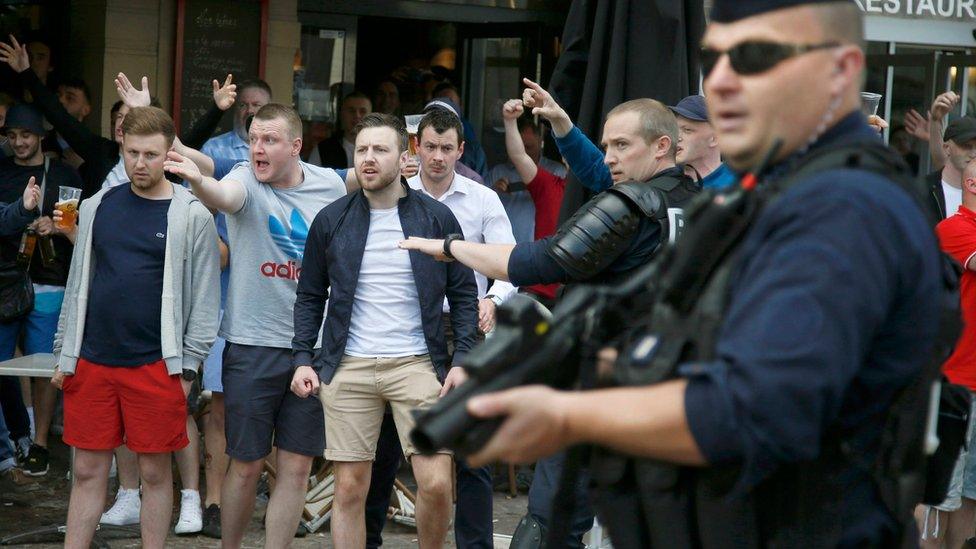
(728, 11)
(25, 117)
(960, 130)
(692, 108)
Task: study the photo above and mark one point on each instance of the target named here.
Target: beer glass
(68, 198)
(869, 103)
(413, 122)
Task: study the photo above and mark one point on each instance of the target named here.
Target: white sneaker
(125, 510)
(191, 514)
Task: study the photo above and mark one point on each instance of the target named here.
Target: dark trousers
(14, 410)
(545, 484)
(472, 514)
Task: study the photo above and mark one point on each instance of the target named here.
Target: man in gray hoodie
(139, 317)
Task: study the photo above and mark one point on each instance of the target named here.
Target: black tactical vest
(603, 228)
(647, 503)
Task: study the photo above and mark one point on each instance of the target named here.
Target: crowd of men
(321, 303)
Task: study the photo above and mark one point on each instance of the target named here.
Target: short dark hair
(381, 120)
(355, 95)
(441, 120)
(6, 100)
(254, 83)
(149, 121)
(447, 85)
(78, 84)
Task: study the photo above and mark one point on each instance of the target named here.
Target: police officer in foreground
(769, 430)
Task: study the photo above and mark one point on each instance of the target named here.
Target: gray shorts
(963, 483)
(260, 407)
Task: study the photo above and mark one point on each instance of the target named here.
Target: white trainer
(125, 510)
(191, 514)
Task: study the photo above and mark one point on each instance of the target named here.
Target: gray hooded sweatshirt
(191, 286)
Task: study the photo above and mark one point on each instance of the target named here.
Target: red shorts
(105, 406)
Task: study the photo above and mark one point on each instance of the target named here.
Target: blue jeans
(473, 526)
(545, 484)
(35, 332)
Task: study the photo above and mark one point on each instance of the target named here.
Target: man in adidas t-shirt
(269, 202)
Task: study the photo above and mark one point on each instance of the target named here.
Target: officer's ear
(665, 147)
(848, 67)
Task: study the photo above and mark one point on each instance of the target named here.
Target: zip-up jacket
(191, 286)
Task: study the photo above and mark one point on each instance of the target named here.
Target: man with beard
(384, 335)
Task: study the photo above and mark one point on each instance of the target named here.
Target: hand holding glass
(68, 198)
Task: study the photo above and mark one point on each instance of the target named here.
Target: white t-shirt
(267, 243)
(385, 319)
(953, 198)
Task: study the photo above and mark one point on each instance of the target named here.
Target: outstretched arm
(226, 195)
(490, 260)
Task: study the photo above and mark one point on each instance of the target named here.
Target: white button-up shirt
(482, 218)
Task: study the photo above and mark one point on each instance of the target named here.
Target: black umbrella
(617, 50)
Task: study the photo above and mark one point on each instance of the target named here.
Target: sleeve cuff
(709, 413)
(458, 359)
(301, 358)
(191, 363)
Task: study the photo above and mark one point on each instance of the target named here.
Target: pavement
(28, 504)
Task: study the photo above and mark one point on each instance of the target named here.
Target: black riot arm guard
(596, 235)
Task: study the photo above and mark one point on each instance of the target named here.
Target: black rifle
(529, 347)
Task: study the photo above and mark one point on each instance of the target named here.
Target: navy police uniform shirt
(123, 321)
(834, 308)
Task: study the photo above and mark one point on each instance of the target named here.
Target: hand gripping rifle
(528, 347)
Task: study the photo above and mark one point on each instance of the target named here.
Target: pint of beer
(412, 122)
(68, 198)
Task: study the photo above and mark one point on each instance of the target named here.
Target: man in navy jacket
(383, 340)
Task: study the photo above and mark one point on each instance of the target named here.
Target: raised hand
(917, 125)
(542, 104)
(15, 55)
(183, 167)
(129, 94)
(32, 194)
(512, 109)
(224, 96)
(943, 104)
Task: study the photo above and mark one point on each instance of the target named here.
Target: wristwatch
(189, 375)
(494, 299)
(447, 243)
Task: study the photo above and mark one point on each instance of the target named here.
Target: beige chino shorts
(356, 399)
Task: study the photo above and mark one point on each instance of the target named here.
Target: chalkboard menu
(214, 38)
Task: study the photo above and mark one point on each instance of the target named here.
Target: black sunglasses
(755, 57)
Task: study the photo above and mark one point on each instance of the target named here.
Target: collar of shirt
(966, 212)
(458, 185)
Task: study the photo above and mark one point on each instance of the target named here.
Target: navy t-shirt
(122, 325)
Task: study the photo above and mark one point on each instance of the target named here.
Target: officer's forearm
(490, 260)
(640, 421)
